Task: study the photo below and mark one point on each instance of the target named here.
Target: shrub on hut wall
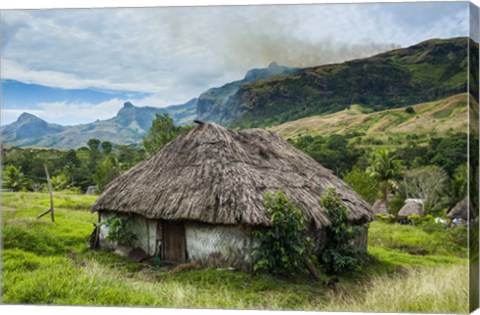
(119, 230)
(338, 254)
(284, 246)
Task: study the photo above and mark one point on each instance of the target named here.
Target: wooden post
(52, 213)
(44, 213)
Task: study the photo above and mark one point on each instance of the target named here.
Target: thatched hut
(199, 197)
(461, 211)
(380, 207)
(411, 206)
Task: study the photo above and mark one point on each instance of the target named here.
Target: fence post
(52, 213)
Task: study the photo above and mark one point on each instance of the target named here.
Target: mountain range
(429, 71)
(130, 124)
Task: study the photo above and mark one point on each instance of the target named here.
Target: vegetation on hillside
(407, 170)
(428, 71)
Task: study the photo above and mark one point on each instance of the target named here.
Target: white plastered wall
(219, 245)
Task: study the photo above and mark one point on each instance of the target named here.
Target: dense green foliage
(334, 152)
(338, 255)
(285, 246)
(72, 169)
(107, 171)
(13, 178)
(364, 184)
(162, 131)
(377, 169)
(386, 169)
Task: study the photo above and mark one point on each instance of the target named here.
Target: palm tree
(13, 178)
(386, 169)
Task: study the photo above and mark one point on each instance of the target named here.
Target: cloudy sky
(78, 65)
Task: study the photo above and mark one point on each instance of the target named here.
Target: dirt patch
(184, 267)
(8, 209)
(417, 251)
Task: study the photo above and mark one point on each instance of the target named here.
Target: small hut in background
(380, 207)
(411, 207)
(200, 197)
(461, 211)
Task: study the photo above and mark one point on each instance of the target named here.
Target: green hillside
(425, 72)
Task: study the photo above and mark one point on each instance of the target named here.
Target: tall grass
(437, 290)
(89, 281)
(48, 263)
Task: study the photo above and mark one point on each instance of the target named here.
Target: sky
(72, 66)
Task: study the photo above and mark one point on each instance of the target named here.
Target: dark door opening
(174, 243)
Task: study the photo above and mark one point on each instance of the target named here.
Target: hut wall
(361, 241)
(145, 230)
(320, 240)
(207, 244)
(219, 245)
(103, 231)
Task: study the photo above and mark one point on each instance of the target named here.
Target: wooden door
(174, 244)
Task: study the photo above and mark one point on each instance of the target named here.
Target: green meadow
(408, 268)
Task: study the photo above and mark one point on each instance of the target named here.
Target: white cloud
(69, 113)
(177, 53)
(72, 113)
(64, 80)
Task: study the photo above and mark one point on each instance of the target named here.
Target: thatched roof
(461, 210)
(380, 207)
(411, 206)
(220, 176)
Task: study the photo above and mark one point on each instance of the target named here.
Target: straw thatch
(380, 207)
(461, 210)
(411, 206)
(220, 176)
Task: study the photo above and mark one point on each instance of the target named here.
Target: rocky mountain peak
(128, 105)
(27, 116)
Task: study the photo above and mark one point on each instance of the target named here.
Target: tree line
(95, 164)
(435, 171)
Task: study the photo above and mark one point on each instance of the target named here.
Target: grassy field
(48, 263)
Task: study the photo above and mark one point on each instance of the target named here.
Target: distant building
(411, 206)
(461, 211)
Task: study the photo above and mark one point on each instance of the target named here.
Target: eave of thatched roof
(461, 210)
(220, 176)
(409, 208)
